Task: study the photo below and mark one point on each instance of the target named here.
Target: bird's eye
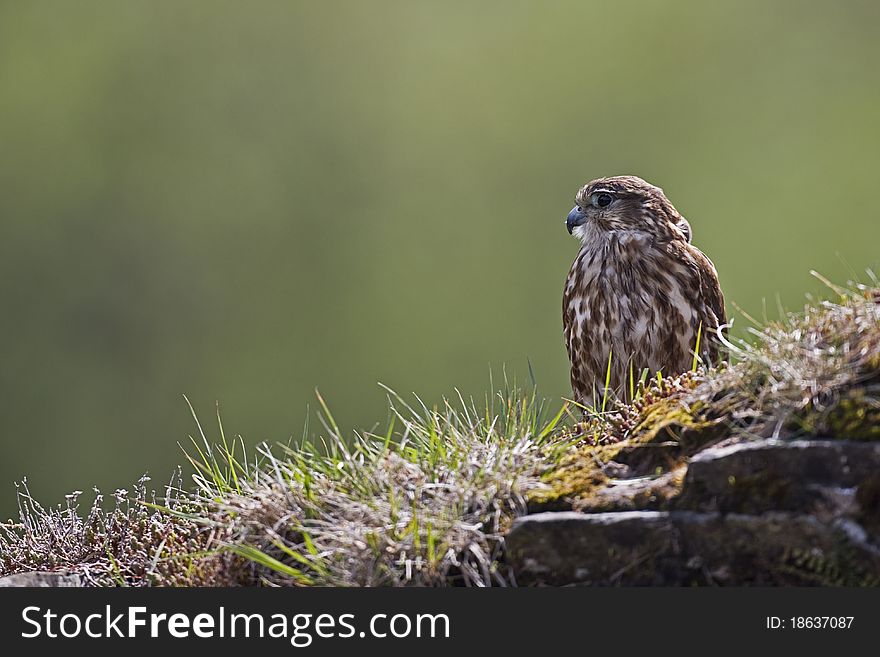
(601, 199)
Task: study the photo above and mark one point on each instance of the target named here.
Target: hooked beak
(575, 218)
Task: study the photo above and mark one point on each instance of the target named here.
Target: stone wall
(766, 512)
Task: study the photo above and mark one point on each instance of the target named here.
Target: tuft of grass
(697, 360)
(425, 503)
(800, 374)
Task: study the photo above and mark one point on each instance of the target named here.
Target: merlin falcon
(639, 293)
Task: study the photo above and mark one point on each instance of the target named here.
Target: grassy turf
(428, 501)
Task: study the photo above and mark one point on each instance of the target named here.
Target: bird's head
(624, 203)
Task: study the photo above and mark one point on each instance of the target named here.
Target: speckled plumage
(637, 290)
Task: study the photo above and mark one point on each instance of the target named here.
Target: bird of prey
(638, 293)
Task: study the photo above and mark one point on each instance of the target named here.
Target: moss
(665, 432)
(856, 416)
(843, 566)
(577, 475)
(643, 493)
(667, 417)
(670, 431)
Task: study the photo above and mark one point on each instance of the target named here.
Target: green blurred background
(244, 201)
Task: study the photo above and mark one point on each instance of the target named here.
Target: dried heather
(132, 544)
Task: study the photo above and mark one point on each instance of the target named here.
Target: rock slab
(42, 580)
(767, 512)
